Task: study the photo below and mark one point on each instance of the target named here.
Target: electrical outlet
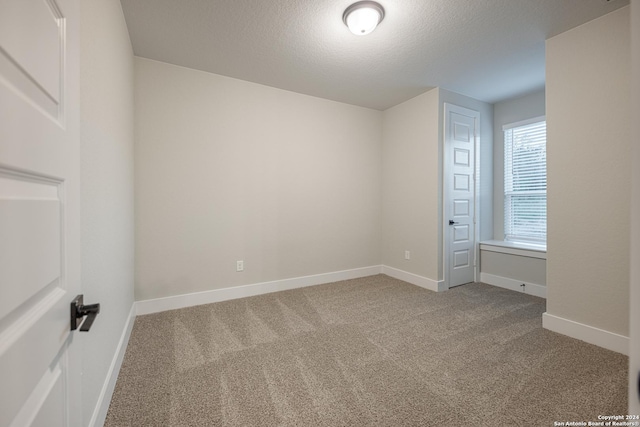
(407, 255)
(239, 265)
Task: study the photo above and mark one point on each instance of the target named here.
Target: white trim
(414, 279)
(524, 123)
(599, 337)
(102, 407)
(514, 285)
(511, 248)
(216, 295)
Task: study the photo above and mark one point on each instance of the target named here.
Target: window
(525, 181)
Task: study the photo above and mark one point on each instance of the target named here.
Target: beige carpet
(372, 351)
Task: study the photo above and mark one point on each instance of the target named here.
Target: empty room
(328, 213)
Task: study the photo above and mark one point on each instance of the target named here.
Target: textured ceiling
(487, 49)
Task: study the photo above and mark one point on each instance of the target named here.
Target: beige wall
(506, 112)
(411, 185)
(228, 170)
(589, 171)
(531, 270)
(516, 267)
(293, 185)
(107, 118)
(484, 157)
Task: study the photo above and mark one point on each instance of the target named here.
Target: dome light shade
(363, 17)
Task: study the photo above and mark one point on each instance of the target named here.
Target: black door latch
(79, 311)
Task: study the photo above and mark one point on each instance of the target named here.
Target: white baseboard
(102, 407)
(514, 285)
(414, 279)
(224, 294)
(599, 337)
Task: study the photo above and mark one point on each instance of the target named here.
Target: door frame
(634, 282)
(446, 230)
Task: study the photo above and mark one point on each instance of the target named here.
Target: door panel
(52, 408)
(461, 183)
(461, 157)
(39, 211)
(30, 227)
(459, 194)
(31, 53)
(461, 208)
(461, 259)
(460, 233)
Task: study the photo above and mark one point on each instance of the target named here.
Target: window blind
(525, 182)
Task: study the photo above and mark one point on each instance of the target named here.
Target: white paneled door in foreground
(459, 194)
(39, 212)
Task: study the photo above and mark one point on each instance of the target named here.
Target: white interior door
(39, 212)
(459, 194)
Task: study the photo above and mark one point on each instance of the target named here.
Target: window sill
(515, 248)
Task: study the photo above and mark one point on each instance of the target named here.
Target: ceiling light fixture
(363, 17)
